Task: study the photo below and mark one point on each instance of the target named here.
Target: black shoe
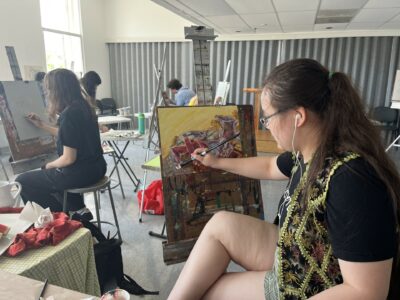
(84, 213)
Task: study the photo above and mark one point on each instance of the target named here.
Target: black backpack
(109, 265)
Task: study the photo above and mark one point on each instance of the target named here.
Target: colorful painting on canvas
(193, 192)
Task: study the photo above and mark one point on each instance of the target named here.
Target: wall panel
(370, 61)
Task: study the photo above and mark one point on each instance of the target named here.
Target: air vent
(329, 16)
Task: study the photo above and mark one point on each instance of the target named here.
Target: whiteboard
(22, 98)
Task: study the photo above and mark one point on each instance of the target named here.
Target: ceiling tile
(330, 27)
(238, 30)
(372, 15)
(342, 4)
(300, 17)
(295, 5)
(251, 6)
(298, 28)
(364, 26)
(391, 25)
(259, 20)
(232, 21)
(396, 19)
(272, 29)
(382, 3)
(269, 29)
(209, 7)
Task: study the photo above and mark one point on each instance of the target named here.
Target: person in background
(336, 233)
(89, 82)
(183, 95)
(81, 162)
(39, 76)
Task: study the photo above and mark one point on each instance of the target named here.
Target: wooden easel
(201, 57)
(153, 128)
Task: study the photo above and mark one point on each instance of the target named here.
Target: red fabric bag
(153, 198)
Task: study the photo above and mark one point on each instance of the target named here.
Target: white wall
(20, 27)
(95, 51)
(142, 20)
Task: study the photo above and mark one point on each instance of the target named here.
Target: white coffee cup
(7, 194)
(117, 294)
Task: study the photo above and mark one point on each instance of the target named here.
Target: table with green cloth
(70, 264)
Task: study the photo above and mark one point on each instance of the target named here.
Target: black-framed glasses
(265, 120)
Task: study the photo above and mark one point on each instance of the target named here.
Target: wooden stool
(95, 188)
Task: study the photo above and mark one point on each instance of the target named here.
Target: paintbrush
(43, 289)
(186, 162)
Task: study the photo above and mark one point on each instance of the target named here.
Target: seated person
(81, 162)
(183, 95)
(89, 83)
(336, 233)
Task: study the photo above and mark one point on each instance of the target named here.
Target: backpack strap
(94, 230)
(132, 287)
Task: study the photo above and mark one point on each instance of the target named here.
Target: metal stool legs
(118, 175)
(96, 204)
(104, 183)
(114, 212)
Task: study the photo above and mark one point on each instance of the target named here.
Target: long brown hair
(62, 89)
(345, 126)
(89, 83)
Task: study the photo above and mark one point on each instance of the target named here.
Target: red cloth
(52, 234)
(10, 210)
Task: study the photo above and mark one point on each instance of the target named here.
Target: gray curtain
(370, 61)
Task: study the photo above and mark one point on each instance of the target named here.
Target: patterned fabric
(271, 287)
(70, 264)
(306, 265)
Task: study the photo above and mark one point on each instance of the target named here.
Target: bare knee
(217, 226)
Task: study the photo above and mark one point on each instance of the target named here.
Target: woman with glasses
(336, 232)
(80, 162)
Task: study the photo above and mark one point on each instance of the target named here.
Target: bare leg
(248, 241)
(238, 286)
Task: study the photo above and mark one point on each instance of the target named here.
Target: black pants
(46, 187)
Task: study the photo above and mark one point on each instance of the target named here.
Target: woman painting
(81, 162)
(337, 226)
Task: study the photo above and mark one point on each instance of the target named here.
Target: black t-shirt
(78, 129)
(359, 212)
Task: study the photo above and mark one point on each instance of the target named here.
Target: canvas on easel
(194, 193)
(17, 99)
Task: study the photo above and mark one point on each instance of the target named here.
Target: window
(62, 34)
